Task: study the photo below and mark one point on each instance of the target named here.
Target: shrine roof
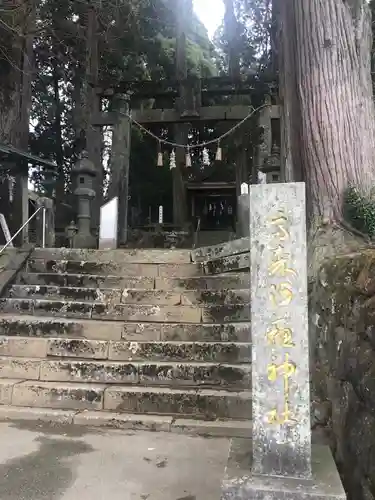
(8, 150)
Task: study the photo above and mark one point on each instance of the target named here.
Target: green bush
(359, 211)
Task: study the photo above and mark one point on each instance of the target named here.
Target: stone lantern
(84, 173)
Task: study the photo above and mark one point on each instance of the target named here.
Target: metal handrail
(196, 234)
(25, 224)
(44, 227)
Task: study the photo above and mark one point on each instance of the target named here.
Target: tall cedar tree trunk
(231, 35)
(16, 43)
(11, 50)
(329, 115)
(59, 154)
(79, 130)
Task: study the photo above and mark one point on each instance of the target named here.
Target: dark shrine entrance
(216, 211)
(212, 199)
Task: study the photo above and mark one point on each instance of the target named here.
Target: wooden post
(21, 139)
(21, 206)
(120, 163)
(45, 225)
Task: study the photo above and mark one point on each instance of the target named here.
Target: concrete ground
(50, 462)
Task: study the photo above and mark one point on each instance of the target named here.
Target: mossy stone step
(131, 296)
(156, 373)
(85, 280)
(234, 263)
(114, 268)
(130, 256)
(214, 352)
(202, 403)
(45, 327)
(102, 295)
(230, 281)
(122, 350)
(129, 421)
(128, 312)
(222, 250)
(32, 326)
(79, 294)
(195, 403)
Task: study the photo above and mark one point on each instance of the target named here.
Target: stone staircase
(143, 336)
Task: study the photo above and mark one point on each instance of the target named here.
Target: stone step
(128, 312)
(127, 421)
(202, 403)
(47, 292)
(47, 308)
(174, 374)
(31, 326)
(114, 268)
(216, 297)
(217, 282)
(31, 347)
(131, 296)
(85, 280)
(214, 352)
(226, 249)
(185, 424)
(217, 352)
(171, 314)
(102, 295)
(136, 256)
(233, 263)
(194, 403)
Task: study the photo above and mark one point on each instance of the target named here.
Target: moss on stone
(342, 330)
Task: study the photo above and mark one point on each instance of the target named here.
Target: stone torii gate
(188, 93)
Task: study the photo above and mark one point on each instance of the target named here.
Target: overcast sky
(211, 13)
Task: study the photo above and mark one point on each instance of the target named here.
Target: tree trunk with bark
(16, 70)
(59, 153)
(11, 50)
(231, 35)
(326, 71)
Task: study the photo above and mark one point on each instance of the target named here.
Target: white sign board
(108, 225)
(161, 214)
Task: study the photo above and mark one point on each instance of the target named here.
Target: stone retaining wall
(342, 315)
